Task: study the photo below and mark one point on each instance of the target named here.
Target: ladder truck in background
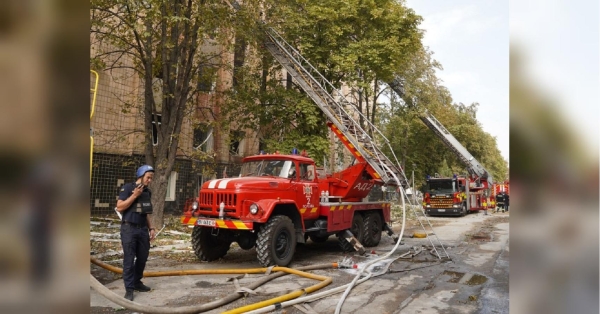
(458, 195)
(280, 200)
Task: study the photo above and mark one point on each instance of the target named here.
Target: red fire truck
(280, 200)
(455, 196)
(458, 195)
(502, 188)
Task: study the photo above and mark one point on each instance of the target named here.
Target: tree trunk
(405, 134)
(375, 96)
(265, 75)
(159, 192)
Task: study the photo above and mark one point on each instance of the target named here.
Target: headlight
(253, 209)
(455, 206)
(428, 205)
(195, 205)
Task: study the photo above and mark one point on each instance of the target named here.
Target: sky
(470, 38)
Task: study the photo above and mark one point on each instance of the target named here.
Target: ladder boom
(341, 112)
(397, 85)
(475, 169)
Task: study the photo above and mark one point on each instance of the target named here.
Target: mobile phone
(140, 185)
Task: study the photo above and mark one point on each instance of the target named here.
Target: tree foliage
(355, 43)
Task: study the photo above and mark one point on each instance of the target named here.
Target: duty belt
(133, 225)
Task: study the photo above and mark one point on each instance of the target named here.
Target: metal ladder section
(397, 85)
(429, 231)
(473, 166)
(341, 112)
(475, 169)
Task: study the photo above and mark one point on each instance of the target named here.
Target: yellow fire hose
(292, 295)
(281, 271)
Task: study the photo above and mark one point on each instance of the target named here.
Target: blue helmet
(142, 170)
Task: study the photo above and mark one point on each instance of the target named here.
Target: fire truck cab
(455, 196)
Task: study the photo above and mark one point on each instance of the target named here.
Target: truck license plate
(205, 222)
(441, 210)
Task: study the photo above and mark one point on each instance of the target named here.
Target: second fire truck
(458, 195)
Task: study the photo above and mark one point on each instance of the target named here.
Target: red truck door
(307, 191)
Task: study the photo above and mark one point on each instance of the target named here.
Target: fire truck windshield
(259, 168)
(441, 186)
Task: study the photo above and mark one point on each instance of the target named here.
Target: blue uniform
(135, 238)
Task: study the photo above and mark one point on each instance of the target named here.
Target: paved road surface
(475, 281)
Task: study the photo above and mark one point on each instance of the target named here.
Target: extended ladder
(476, 170)
(342, 113)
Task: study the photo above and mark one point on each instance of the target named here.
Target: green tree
(162, 39)
(357, 43)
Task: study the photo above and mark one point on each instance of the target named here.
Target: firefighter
(500, 202)
(136, 229)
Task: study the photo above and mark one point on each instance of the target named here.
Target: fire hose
(351, 285)
(357, 280)
(309, 298)
(280, 271)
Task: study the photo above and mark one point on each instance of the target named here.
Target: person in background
(136, 229)
(500, 202)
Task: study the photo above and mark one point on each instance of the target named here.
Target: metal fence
(110, 172)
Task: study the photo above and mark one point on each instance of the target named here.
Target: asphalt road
(474, 281)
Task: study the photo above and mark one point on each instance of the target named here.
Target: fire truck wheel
(358, 230)
(276, 242)
(209, 247)
(373, 228)
(318, 239)
(463, 210)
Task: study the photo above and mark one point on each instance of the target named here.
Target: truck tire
(209, 247)
(357, 229)
(276, 242)
(373, 228)
(318, 239)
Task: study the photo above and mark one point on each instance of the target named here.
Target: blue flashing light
(454, 176)
(295, 151)
(262, 152)
(428, 177)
